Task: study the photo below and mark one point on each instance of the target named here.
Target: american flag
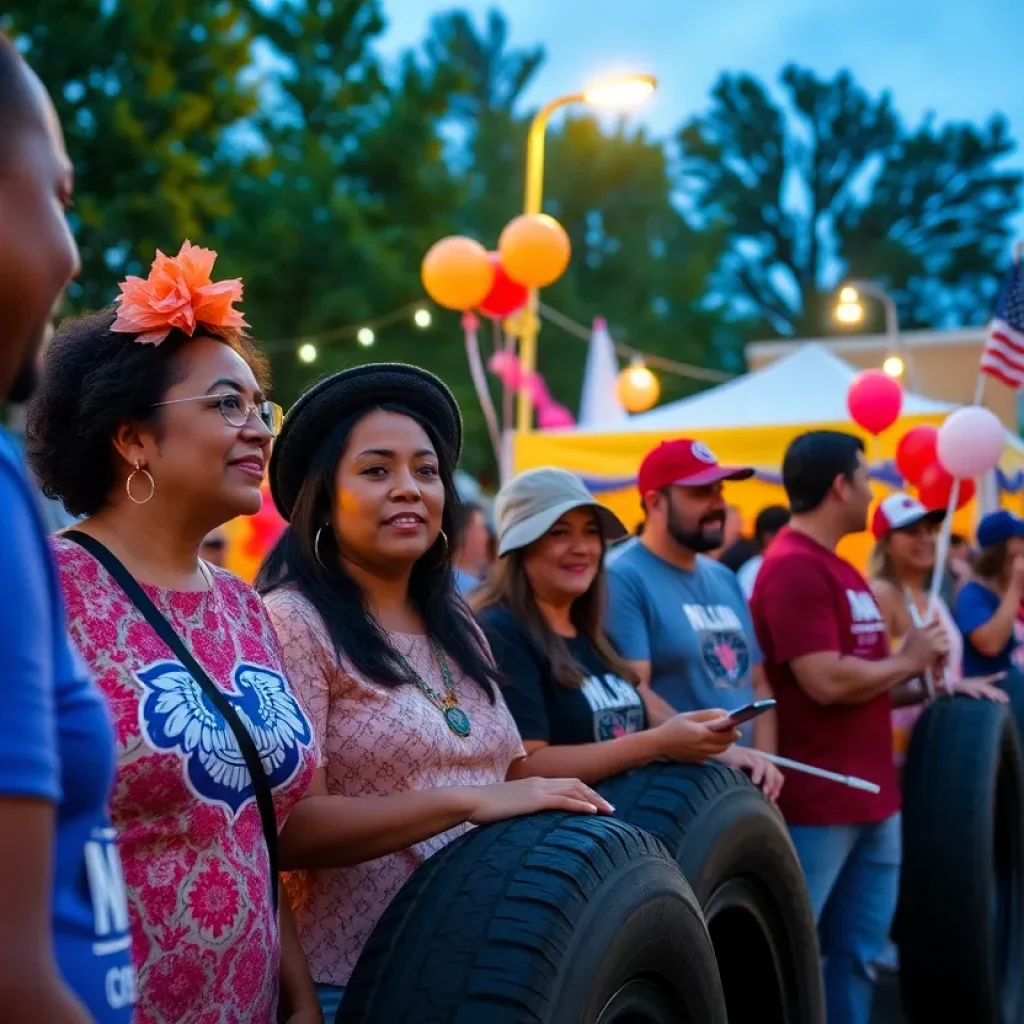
(1003, 357)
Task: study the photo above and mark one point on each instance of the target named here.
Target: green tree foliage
(146, 93)
(830, 180)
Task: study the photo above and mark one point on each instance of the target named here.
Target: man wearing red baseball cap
(680, 617)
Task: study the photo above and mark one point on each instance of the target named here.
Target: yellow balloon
(534, 250)
(638, 389)
(457, 273)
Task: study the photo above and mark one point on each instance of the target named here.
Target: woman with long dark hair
(542, 607)
(152, 423)
(415, 739)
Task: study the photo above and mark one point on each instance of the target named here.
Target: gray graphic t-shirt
(694, 628)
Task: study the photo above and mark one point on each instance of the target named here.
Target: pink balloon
(970, 442)
(554, 416)
(874, 401)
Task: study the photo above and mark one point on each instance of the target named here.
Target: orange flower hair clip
(178, 295)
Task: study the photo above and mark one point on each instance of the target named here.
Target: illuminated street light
(307, 353)
(365, 337)
(422, 318)
(849, 312)
(619, 91)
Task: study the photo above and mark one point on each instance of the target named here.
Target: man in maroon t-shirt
(827, 657)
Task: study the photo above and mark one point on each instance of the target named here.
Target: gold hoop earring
(316, 547)
(131, 477)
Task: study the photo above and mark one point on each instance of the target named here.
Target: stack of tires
(688, 907)
(960, 926)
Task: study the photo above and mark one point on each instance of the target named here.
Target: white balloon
(970, 442)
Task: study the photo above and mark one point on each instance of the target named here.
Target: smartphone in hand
(741, 715)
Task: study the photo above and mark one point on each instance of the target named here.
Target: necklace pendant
(458, 721)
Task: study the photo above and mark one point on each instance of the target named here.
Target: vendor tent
(747, 421)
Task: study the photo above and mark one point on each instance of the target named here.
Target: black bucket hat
(313, 416)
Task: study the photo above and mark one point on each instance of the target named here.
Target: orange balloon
(638, 389)
(457, 273)
(534, 250)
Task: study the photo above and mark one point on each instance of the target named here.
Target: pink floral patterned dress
(204, 934)
(378, 741)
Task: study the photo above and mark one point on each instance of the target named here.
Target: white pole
(808, 769)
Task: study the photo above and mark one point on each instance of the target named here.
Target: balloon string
(479, 375)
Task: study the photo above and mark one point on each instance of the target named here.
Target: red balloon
(506, 296)
(874, 401)
(935, 484)
(916, 452)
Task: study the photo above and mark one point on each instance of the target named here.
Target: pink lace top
(204, 935)
(377, 741)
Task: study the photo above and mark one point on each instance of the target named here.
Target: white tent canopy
(808, 386)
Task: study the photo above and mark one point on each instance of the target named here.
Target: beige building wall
(938, 364)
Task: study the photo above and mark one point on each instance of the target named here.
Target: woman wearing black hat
(415, 738)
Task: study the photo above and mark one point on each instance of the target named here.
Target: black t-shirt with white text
(603, 707)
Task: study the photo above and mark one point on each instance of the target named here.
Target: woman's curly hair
(93, 380)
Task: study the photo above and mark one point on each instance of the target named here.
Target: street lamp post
(612, 92)
(850, 310)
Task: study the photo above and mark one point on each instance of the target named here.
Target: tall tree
(487, 110)
(637, 259)
(831, 181)
(148, 95)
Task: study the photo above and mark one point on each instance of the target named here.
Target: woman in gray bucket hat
(575, 701)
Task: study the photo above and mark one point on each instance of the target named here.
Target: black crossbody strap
(166, 632)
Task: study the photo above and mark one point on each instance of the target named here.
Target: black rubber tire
(1013, 684)
(734, 849)
(548, 919)
(961, 916)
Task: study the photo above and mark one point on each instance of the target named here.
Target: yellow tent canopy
(750, 422)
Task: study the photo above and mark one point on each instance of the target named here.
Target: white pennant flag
(599, 402)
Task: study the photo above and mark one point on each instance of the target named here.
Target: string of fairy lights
(419, 315)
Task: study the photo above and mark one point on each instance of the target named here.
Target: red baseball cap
(685, 463)
(899, 511)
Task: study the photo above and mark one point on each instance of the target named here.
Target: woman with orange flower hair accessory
(152, 423)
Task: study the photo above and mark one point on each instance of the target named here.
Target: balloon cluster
(459, 273)
(968, 445)
(551, 415)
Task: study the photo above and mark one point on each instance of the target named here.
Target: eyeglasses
(237, 411)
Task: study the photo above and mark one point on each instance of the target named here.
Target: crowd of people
(217, 789)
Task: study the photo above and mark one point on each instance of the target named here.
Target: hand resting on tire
(528, 796)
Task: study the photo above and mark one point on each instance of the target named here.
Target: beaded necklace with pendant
(447, 703)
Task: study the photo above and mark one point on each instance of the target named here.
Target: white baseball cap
(899, 511)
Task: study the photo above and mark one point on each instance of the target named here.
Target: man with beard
(678, 616)
(827, 656)
(64, 943)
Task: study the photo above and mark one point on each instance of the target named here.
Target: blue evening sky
(961, 59)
